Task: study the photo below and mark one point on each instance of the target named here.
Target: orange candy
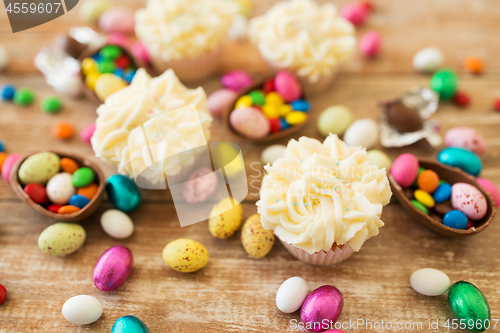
(428, 181)
(68, 165)
(88, 191)
(68, 209)
(3, 156)
(63, 130)
(474, 65)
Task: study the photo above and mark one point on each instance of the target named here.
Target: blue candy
(79, 201)
(442, 193)
(301, 105)
(118, 72)
(97, 57)
(129, 75)
(456, 219)
(7, 92)
(461, 158)
(284, 124)
(1, 146)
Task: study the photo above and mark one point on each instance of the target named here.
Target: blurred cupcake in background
(306, 39)
(186, 35)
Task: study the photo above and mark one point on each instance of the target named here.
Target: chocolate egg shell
(71, 46)
(452, 176)
(403, 118)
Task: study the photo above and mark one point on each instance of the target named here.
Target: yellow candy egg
(225, 219)
(424, 198)
(107, 84)
(91, 78)
(284, 109)
(274, 98)
(89, 65)
(270, 111)
(244, 101)
(296, 117)
(185, 255)
(256, 240)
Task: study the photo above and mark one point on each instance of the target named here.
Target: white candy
(69, 85)
(60, 188)
(4, 58)
(430, 282)
(363, 132)
(428, 60)
(117, 224)
(291, 294)
(272, 153)
(238, 30)
(82, 310)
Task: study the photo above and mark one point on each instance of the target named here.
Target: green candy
(420, 206)
(24, 96)
(468, 304)
(51, 104)
(107, 66)
(445, 83)
(83, 177)
(123, 193)
(257, 97)
(110, 52)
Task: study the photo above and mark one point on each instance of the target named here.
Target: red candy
(37, 193)
(496, 105)
(366, 5)
(3, 294)
(470, 225)
(122, 62)
(275, 125)
(54, 208)
(461, 99)
(268, 86)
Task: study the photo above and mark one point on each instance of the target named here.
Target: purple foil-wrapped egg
(322, 308)
(113, 268)
(236, 80)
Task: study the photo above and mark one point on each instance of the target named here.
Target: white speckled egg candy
(363, 132)
(82, 309)
(430, 282)
(291, 294)
(117, 224)
(272, 153)
(60, 188)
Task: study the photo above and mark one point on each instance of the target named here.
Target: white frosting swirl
(182, 122)
(321, 194)
(301, 36)
(175, 29)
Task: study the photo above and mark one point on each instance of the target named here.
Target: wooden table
(234, 292)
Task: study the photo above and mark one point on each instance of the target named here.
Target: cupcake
(185, 35)
(153, 128)
(323, 200)
(307, 39)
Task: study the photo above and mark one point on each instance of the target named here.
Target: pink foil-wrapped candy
(466, 138)
(87, 132)
(370, 44)
(355, 13)
(323, 306)
(469, 200)
(236, 80)
(491, 188)
(113, 268)
(287, 86)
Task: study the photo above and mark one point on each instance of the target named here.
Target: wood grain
(235, 293)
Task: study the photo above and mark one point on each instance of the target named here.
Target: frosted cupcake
(305, 38)
(185, 35)
(152, 128)
(323, 200)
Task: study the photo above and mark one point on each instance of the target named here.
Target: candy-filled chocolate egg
(129, 324)
(469, 200)
(403, 118)
(113, 268)
(323, 306)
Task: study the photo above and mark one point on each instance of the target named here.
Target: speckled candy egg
(225, 219)
(467, 138)
(39, 168)
(60, 188)
(469, 200)
(113, 268)
(321, 308)
(250, 122)
(61, 239)
(117, 19)
(185, 255)
(363, 132)
(123, 193)
(256, 240)
(82, 309)
(129, 324)
(220, 100)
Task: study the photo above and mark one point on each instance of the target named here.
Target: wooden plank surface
(235, 293)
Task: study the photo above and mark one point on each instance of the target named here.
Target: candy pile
(21, 96)
(59, 184)
(275, 107)
(108, 70)
(456, 206)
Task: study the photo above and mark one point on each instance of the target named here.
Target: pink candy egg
(466, 138)
(8, 164)
(404, 170)
(370, 44)
(113, 268)
(491, 189)
(287, 86)
(140, 51)
(117, 19)
(250, 122)
(323, 306)
(354, 13)
(220, 100)
(86, 133)
(236, 80)
(469, 200)
(119, 39)
(200, 185)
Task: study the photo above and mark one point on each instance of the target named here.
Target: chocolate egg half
(403, 118)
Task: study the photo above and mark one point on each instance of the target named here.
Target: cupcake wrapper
(322, 258)
(191, 69)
